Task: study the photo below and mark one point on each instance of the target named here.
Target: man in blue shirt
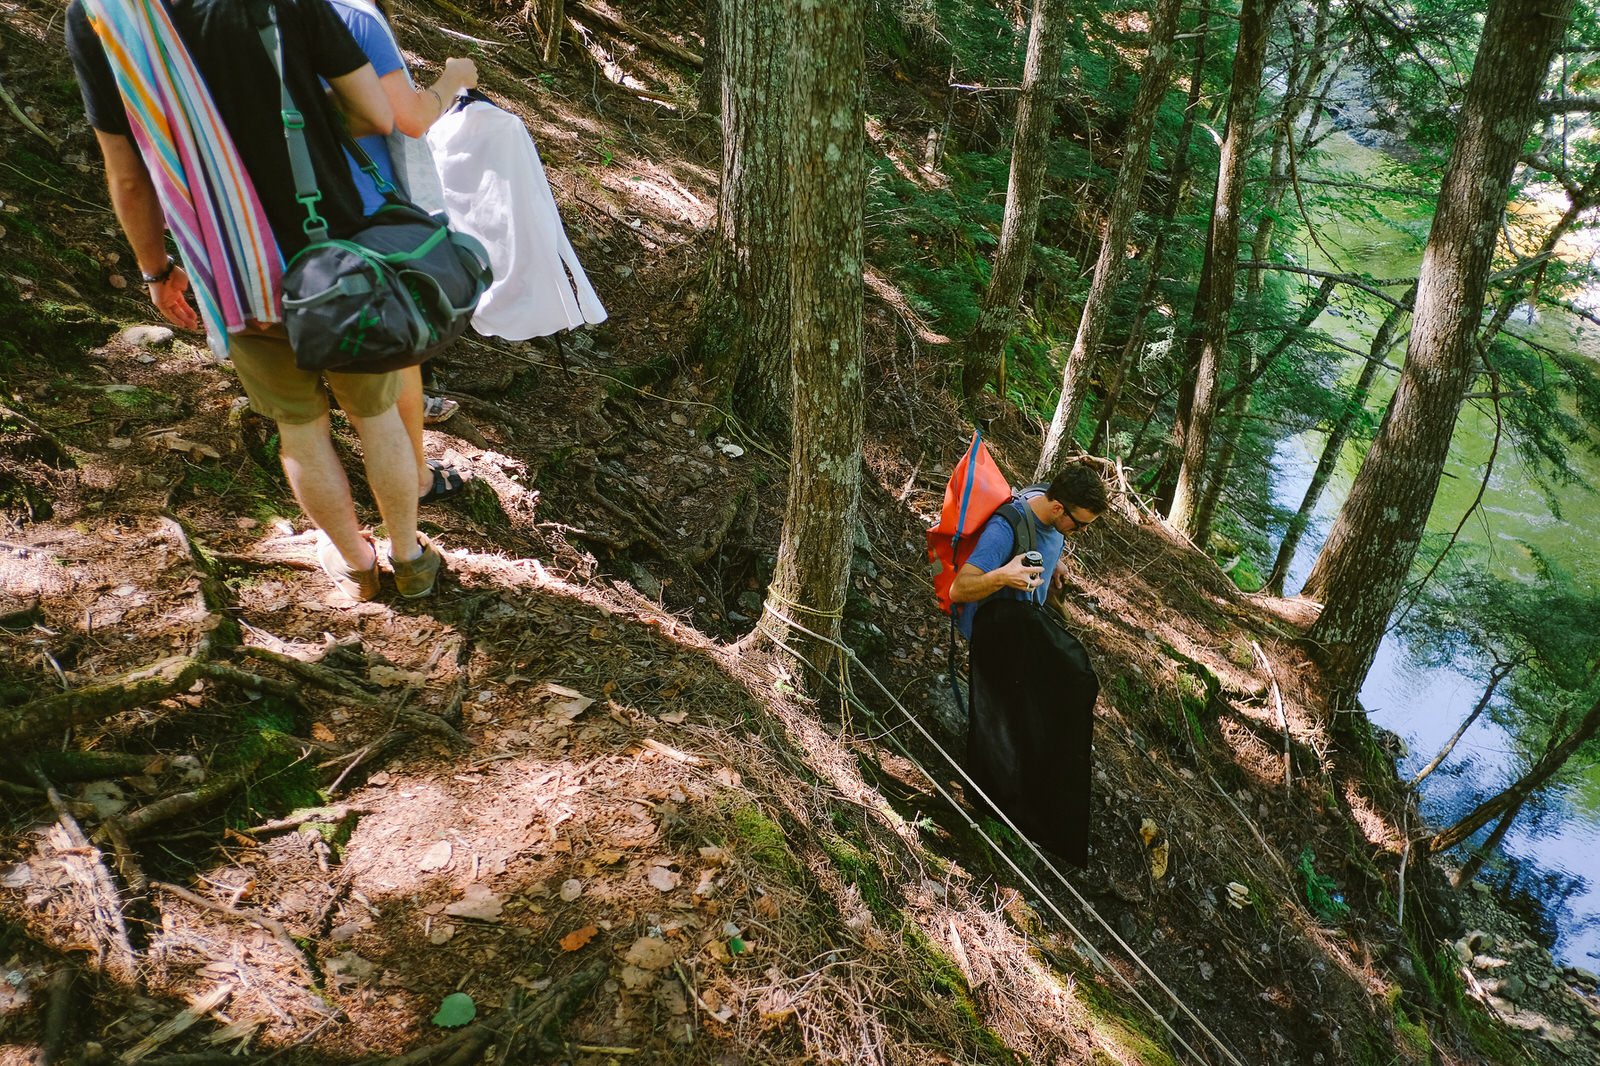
(1075, 498)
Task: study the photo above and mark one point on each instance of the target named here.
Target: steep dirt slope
(557, 787)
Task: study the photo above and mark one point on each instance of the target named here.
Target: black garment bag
(1032, 722)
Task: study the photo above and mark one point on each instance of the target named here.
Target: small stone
(1513, 988)
(1205, 971)
(571, 889)
(1585, 977)
(146, 336)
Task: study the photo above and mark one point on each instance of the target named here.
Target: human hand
(168, 298)
(461, 73)
(1058, 580)
(1019, 575)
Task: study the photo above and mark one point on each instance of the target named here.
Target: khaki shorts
(283, 392)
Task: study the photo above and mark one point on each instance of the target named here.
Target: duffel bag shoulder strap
(294, 123)
(305, 175)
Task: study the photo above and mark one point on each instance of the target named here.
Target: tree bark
(1333, 447)
(1553, 759)
(984, 350)
(829, 193)
(1217, 481)
(557, 21)
(742, 337)
(1154, 80)
(1255, 24)
(1362, 567)
(711, 72)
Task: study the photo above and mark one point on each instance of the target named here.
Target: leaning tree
(1363, 565)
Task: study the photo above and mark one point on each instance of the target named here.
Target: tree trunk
(1255, 24)
(1362, 567)
(711, 73)
(1333, 447)
(984, 350)
(1553, 759)
(1154, 80)
(742, 337)
(1206, 512)
(557, 22)
(1177, 189)
(829, 193)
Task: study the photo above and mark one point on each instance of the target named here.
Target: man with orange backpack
(1037, 520)
(1030, 728)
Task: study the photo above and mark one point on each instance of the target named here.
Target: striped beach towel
(210, 205)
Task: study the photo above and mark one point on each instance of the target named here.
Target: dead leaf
(322, 733)
(1158, 860)
(671, 996)
(674, 717)
(1148, 831)
(650, 953)
(573, 707)
(441, 934)
(728, 777)
(578, 938)
(663, 878)
(437, 857)
(478, 901)
(716, 856)
(633, 978)
(767, 907)
(560, 690)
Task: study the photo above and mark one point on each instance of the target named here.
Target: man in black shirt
(222, 39)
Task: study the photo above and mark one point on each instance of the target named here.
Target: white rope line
(998, 850)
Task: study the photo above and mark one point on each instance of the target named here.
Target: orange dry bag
(975, 491)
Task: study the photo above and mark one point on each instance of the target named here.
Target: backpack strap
(1024, 537)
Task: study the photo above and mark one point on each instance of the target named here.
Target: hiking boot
(415, 578)
(357, 584)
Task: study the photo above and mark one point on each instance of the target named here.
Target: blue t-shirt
(995, 549)
(376, 42)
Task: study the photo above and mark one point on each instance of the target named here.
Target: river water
(1555, 849)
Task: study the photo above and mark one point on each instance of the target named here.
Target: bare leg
(392, 474)
(410, 405)
(318, 480)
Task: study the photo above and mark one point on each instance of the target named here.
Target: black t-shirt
(227, 50)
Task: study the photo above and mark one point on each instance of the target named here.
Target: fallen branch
(123, 964)
(1283, 720)
(315, 814)
(17, 112)
(656, 44)
(179, 1023)
(270, 924)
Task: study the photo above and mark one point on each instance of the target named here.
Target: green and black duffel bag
(391, 296)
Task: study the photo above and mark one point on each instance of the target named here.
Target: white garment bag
(495, 190)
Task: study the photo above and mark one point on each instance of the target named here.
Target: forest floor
(289, 826)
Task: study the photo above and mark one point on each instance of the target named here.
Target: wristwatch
(166, 272)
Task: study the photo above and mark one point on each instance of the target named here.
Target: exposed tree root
(93, 703)
(324, 677)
